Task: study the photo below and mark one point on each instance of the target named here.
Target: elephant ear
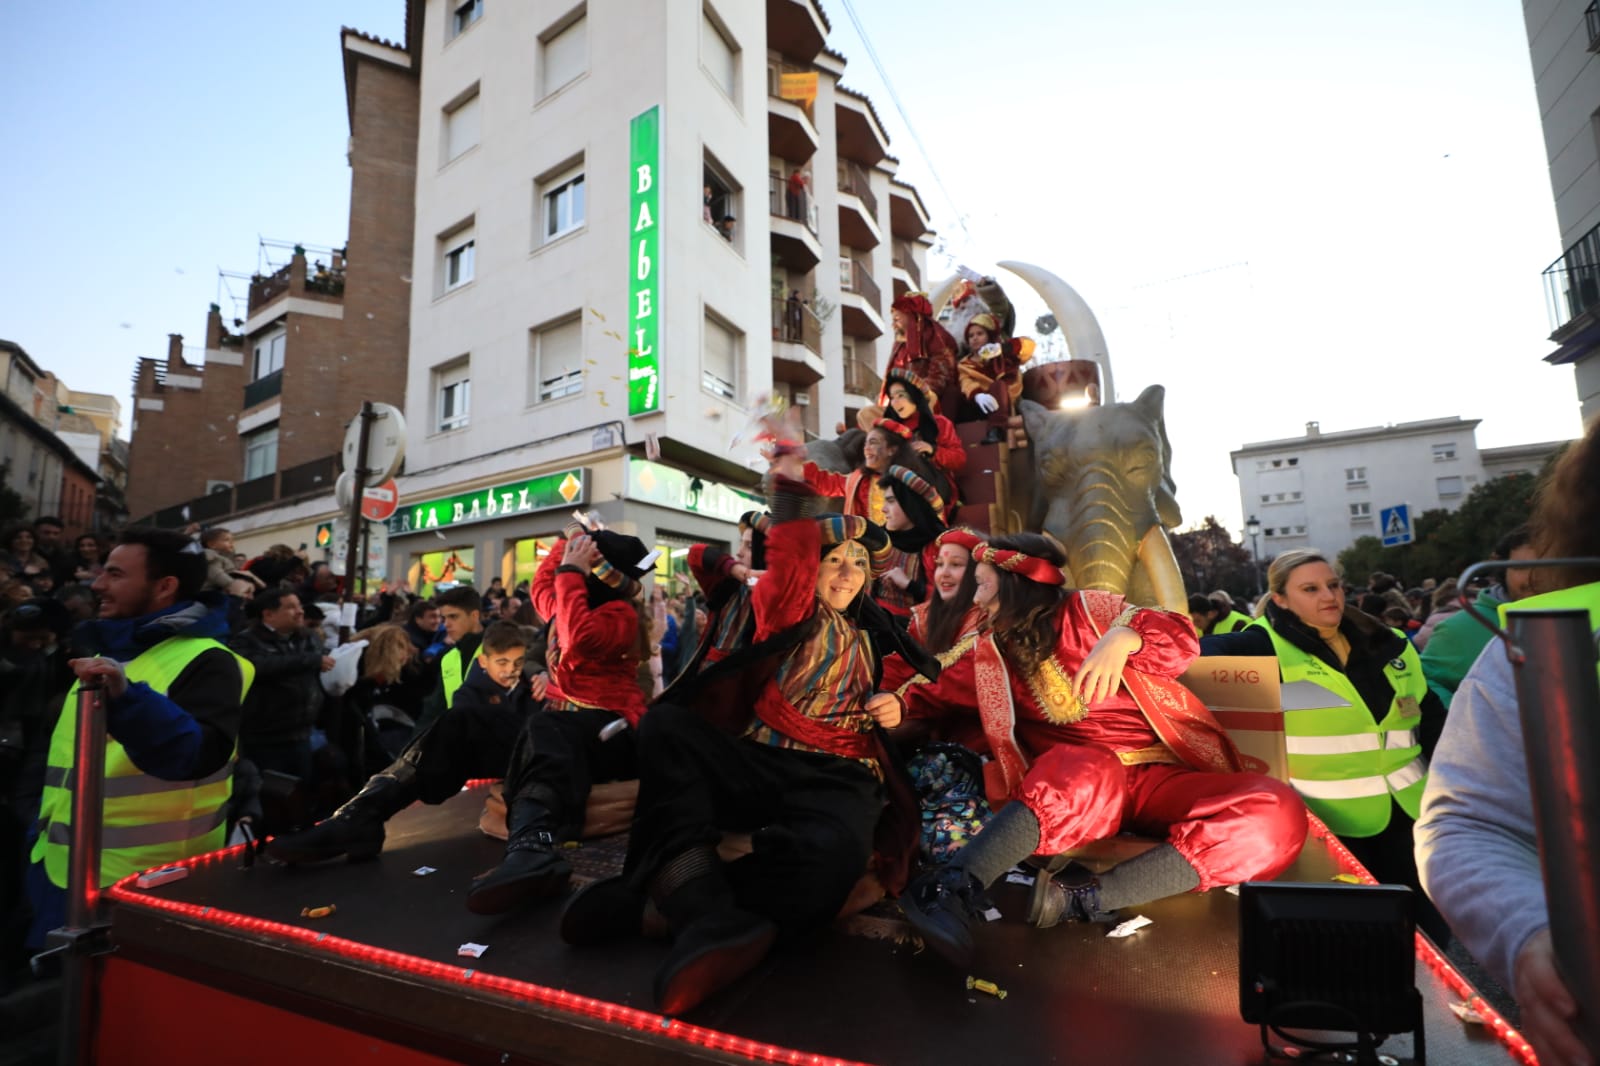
(1036, 417)
(1151, 406)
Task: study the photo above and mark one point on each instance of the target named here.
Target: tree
(1209, 558)
(12, 506)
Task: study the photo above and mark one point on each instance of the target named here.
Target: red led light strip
(124, 891)
(1432, 957)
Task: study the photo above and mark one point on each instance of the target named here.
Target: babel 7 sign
(644, 262)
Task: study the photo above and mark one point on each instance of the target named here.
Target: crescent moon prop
(1078, 324)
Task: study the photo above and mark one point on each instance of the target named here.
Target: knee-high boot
(714, 942)
(532, 868)
(356, 829)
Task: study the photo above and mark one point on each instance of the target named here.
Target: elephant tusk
(1085, 340)
(1161, 567)
(940, 294)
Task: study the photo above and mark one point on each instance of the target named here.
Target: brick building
(40, 466)
(258, 422)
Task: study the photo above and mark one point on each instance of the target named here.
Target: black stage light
(1331, 958)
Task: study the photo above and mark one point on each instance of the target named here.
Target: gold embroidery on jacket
(1052, 688)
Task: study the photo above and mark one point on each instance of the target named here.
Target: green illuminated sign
(564, 488)
(644, 263)
(666, 486)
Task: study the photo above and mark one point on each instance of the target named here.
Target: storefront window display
(436, 571)
(522, 560)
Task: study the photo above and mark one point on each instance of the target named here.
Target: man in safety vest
(173, 698)
(461, 611)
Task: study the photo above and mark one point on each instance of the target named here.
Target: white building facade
(588, 329)
(1563, 42)
(1325, 490)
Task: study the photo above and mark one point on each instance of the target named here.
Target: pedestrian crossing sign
(1396, 523)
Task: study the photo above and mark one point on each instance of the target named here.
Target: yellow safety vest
(1345, 763)
(451, 672)
(1234, 622)
(146, 821)
(1579, 597)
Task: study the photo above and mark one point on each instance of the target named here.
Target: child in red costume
(934, 437)
(924, 347)
(888, 443)
(1092, 735)
(913, 515)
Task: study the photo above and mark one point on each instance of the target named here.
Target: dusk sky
(1281, 211)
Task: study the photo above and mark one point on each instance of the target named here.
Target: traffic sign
(380, 501)
(377, 549)
(386, 442)
(1396, 525)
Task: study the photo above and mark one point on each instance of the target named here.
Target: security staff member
(461, 611)
(172, 714)
(1359, 720)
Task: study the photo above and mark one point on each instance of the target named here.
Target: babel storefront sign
(644, 263)
(564, 488)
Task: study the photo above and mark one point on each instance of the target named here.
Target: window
(1295, 461)
(269, 354)
(718, 54)
(260, 452)
(1355, 475)
(463, 15)
(1295, 495)
(1449, 486)
(1299, 529)
(1359, 511)
(1443, 453)
(453, 385)
(1278, 498)
(557, 361)
(722, 200)
(458, 259)
(1266, 497)
(563, 52)
(461, 125)
(563, 203)
(1277, 462)
(720, 358)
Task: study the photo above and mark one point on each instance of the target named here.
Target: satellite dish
(1045, 324)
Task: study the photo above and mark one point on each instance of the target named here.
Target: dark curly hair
(1566, 514)
(1025, 624)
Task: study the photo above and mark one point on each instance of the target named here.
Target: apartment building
(1563, 42)
(38, 452)
(248, 429)
(631, 221)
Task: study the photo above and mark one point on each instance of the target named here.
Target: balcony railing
(1591, 19)
(797, 207)
(255, 492)
(1572, 283)
(907, 262)
(853, 179)
(860, 379)
(265, 288)
(315, 476)
(794, 321)
(263, 389)
(857, 280)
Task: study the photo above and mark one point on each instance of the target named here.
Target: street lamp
(1253, 527)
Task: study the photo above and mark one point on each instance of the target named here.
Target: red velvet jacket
(594, 654)
(951, 701)
(949, 454)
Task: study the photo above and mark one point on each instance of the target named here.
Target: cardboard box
(1244, 694)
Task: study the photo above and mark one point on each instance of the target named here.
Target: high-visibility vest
(1579, 597)
(451, 672)
(1345, 763)
(1234, 622)
(145, 821)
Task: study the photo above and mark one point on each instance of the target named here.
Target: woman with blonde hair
(1359, 720)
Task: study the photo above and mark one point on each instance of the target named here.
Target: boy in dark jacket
(472, 739)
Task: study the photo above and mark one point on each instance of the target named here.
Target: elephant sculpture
(1102, 486)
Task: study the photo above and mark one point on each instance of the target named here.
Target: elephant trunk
(1102, 535)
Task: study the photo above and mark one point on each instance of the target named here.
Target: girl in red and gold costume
(1091, 735)
(924, 347)
(888, 443)
(933, 437)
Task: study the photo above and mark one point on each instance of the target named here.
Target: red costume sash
(780, 715)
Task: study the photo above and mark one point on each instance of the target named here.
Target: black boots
(609, 910)
(941, 905)
(355, 829)
(1073, 895)
(532, 869)
(714, 942)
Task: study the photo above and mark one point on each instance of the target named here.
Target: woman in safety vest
(1359, 721)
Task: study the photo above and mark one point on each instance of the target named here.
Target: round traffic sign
(386, 442)
(380, 501)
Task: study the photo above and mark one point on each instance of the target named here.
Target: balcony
(1591, 20)
(860, 134)
(905, 275)
(266, 288)
(791, 131)
(796, 342)
(263, 389)
(324, 281)
(1572, 286)
(316, 476)
(908, 217)
(861, 301)
(796, 28)
(255, 492)
(858, 207)
(794, 228)
(860, 380)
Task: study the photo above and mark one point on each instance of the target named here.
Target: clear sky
(1280, 211)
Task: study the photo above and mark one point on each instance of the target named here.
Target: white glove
(990, 350)
(988, 403)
